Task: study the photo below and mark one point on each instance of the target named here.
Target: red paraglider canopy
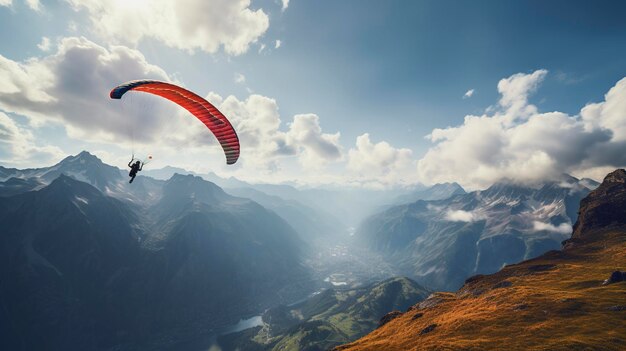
(199, 107)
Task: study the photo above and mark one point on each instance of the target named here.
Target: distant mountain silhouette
(436, 192)
(14, 186)
(315, 226)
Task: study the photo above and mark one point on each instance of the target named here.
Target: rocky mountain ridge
(441, 243)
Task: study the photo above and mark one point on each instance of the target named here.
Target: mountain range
(442, 242)
(569, 299)
(88, 263)
(92, 262)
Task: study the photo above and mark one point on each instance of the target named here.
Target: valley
(269, 273)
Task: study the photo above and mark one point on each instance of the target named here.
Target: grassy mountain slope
(329, 318)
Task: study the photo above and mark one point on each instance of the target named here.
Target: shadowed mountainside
(558, 301)
(83, 270)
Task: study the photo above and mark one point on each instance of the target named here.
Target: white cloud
(610, 114)
(317, 148)
(71, 87)
(277, 44)
(44, 45)
(186, 24)
(434, 208)
(515, 91)
(18, 146)
(380, 161)
(6, 3)
(24, 83)
(240, 78)
(259, 127)
(563, 228)
(258, 123)
(468, 94)
(462, 216)
(285, 5)
(517, 142)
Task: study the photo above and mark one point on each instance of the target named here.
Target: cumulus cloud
(18, 146)
(462, 216)
(6, 3)
(382, 161)
(515, 91)
(71, 87)
(518, 142)
(44, 45)
(258, 123)
(285, 4)
(261, 132)
(468, 94)
(317, 147)
(563, 228)
(277, 44)
(190, 25)
(609, 114)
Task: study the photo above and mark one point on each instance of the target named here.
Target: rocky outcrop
(428, 329)
(604, 207)
(615, 277)
(388, 317)
(617, 308)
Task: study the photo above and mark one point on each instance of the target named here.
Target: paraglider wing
(199, 107)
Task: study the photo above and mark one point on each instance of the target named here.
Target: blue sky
(370, 80)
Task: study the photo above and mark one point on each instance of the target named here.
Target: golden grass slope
(554, 302)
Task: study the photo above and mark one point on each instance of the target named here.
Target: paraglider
(208, 114)
(134, 168)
